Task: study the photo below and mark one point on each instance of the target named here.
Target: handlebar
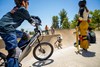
(37, 23)
(37, 20)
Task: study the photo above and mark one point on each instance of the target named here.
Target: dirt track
(67, 57)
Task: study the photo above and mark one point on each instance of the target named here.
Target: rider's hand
(36, 21)
(36, 18)
(36, 24)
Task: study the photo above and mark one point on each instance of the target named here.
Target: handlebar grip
(37, 18)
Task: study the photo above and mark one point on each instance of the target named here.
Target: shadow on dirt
(87, 53)
(43, 63)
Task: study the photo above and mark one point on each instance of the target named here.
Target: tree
(95, 19)
(55, 23)
(31, 33)
(26, 31)
(74, 21)
(73, 24)
(63, 14)
(22, 30)
(65, 24)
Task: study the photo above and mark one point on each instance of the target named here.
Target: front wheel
(43, 51)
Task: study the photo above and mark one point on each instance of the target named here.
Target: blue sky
(45, 9)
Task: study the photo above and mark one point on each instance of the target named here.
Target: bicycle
(40, 47)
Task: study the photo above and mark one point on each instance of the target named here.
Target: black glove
(36, 17)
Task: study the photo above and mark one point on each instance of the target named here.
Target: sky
(45, 9)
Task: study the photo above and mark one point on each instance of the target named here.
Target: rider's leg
(24, 39)
(13, 51)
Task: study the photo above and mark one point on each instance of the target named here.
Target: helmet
(19, 2)
(59, 37)
(82, 3)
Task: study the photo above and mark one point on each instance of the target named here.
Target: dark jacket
(9, 22)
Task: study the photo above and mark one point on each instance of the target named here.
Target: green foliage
(63, 14)
(31, 33)
(55, 22)
(22, 29)
(74, 22)
(95, 19)
(26, 31)
(65, 24)
(92, 25)
(63, 20)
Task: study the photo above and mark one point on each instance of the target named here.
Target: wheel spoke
(43, 51)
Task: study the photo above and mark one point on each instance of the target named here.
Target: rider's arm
(25, 15)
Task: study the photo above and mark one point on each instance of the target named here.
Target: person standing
(46, 30)
(52, 30)
(83, 24)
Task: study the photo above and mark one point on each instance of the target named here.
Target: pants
(10, 40)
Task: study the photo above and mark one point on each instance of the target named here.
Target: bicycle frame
(28, 45)
(28, 48)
